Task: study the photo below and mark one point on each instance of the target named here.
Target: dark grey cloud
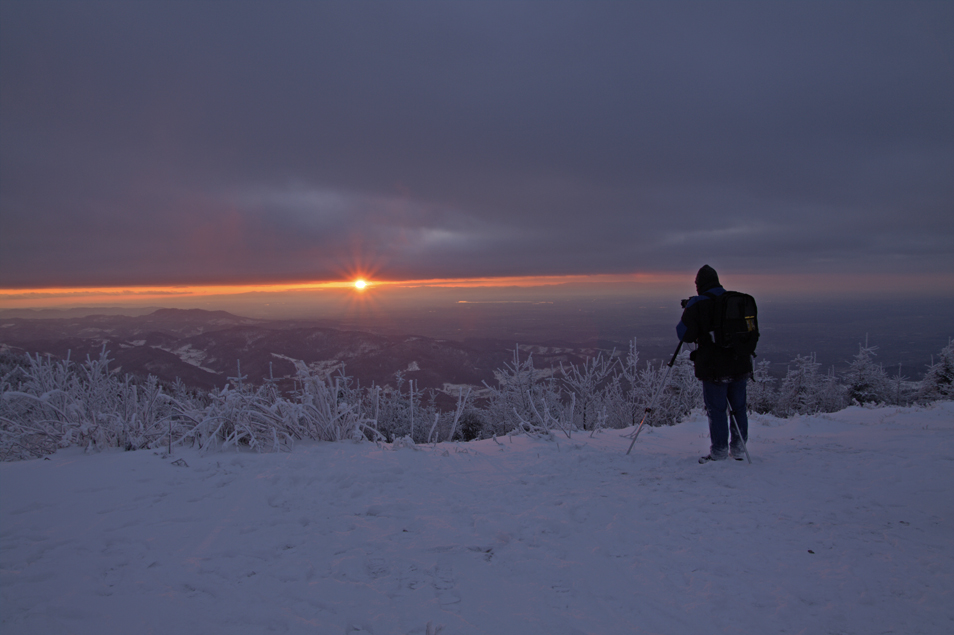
(199, 142)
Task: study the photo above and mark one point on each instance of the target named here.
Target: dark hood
(706, 279)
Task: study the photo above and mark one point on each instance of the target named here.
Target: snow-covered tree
(865, 380)
(938, 382)
(684, 391)
(831, 396)
(760, 393)
(799, 391)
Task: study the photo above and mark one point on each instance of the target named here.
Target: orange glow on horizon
(666, 282)
(61, 295)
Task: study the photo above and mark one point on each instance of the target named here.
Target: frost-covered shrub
(676, 392)
(330, 408)
(56, 403)
(510, 398)
(35, 413)
(471, 425)
(322, 407)
(241, 416)
(144, 412)
(624, 396)
(401, 411)
(48, 404)
(11, 371)
(588, 384)
(525, 398)
(628, 394)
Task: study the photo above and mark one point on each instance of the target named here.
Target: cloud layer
(155, 143)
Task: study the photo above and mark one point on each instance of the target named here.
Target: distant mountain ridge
(53, 314)
(205, 348)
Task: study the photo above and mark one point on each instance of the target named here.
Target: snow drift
(844, 523)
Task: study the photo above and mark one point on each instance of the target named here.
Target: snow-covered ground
(844, 523)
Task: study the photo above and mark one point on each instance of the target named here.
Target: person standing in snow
(723, 374)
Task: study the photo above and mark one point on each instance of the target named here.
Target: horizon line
(159, 291)
(769, 283)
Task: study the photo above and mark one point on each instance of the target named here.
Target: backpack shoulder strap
(715, 327)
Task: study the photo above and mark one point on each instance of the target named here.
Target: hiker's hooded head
(706, 279)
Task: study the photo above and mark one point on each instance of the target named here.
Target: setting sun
(360, 284)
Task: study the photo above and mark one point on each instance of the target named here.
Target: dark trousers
(717, 395)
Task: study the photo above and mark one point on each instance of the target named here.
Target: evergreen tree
(938, 382)
(866, 381)
(760, 396)
(831, 394)
(799, 391)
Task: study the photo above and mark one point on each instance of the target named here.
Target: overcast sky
(201, 142)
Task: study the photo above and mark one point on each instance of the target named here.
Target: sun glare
(360, 284)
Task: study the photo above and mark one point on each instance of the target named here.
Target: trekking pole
(652, 402)
(738, 431)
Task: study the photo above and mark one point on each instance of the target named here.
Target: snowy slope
(844, 523)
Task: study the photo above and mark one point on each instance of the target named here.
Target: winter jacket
(712, 362)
